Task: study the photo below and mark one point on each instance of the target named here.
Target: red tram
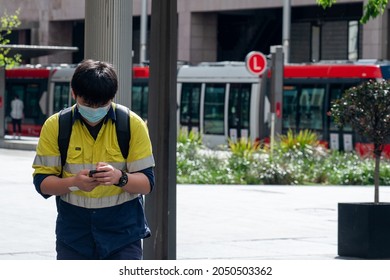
(220, 100)
(308, 91)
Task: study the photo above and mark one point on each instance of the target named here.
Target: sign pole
(272, 136)
(277, 69)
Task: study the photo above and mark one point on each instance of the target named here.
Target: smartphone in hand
(91, 172)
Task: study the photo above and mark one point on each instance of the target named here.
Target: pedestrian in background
(17, 108)
(100, 215)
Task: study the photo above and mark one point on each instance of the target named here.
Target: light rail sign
(256, 63)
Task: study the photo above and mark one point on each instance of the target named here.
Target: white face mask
(93, 115)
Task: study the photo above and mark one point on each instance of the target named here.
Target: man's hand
(108, 175)
(84, 182)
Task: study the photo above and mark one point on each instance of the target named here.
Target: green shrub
(243, 147)
(188, 144)
(291, 164)
(298, 141)
(241, 160)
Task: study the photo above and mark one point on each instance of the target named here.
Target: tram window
(214, 104)
(239, 106)
(30, 94)
(189, 105)
(290, 94)
(303, 107)
(61, 96)
(136, 97)
(31, 106)
(144, 108)
(139, 98)
(311, 103)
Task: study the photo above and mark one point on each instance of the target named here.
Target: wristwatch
(122, 180)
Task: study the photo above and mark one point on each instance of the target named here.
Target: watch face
(122, 180)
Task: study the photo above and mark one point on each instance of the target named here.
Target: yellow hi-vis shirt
(85, 152)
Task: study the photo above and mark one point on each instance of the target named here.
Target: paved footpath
(213, 221)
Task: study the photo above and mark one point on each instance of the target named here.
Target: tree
(367, 109)
(372, 9)
(8, 23)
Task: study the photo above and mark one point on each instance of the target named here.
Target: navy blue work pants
(133, 251)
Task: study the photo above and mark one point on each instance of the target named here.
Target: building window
(353, 36)
(315, 43)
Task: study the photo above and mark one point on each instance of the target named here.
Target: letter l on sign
(256, 63)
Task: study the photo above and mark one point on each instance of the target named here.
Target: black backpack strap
(122, 126)
(64, 132)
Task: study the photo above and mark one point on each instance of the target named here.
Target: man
(100, 215)
(17, 107)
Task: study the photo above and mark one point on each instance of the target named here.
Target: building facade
(218, 30)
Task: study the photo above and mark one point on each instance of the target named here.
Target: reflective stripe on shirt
(100, 202)
(52, 161)
(141, 164)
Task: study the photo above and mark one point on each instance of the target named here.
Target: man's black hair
(95, 81)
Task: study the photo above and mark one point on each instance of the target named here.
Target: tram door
(339, 138)
(139, 97)
(239, 111)
(62, 97)
(213, 116)
(31, 92)
(303, 107)
(190, 107)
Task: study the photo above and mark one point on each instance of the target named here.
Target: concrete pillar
(375, 38)
(161, 203)
(43, 31)
(108, 37)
